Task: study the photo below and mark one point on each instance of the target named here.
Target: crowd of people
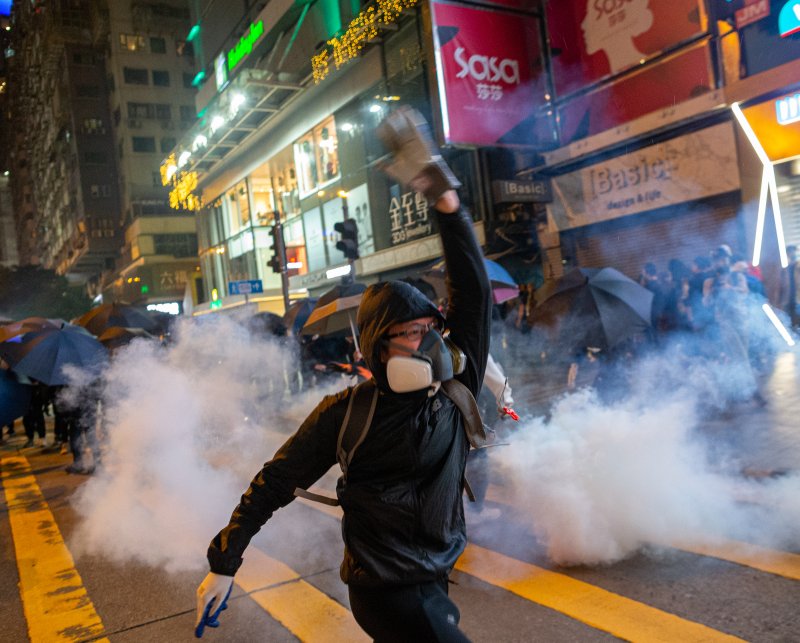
(75, 417)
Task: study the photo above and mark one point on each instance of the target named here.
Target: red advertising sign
(489, 72)
(671, 81)
(592, 39)
(753, 11)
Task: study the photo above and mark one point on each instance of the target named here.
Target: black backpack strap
(356, 423)
(354, 428)
(473, 423)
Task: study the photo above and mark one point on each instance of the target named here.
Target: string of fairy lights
(361, 30)
(341, 49)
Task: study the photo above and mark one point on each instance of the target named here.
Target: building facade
(97, 90)
(8, 236)
(585, 133)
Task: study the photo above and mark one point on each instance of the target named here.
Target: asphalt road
(507, 586)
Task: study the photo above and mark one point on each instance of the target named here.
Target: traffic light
(348, 244)
(276, 262)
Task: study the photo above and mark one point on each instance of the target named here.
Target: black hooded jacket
(403, 513)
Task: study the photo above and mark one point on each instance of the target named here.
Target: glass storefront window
(243, 203)
(263, 200)
(274, 187)
(231, 206)
(316, 157)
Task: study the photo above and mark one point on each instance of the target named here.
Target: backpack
(358, 420)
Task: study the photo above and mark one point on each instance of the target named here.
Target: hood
(382, 306)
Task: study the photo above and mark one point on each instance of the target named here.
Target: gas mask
(437, 359)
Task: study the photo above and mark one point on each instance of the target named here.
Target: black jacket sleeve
(469, 311)
(301, 461)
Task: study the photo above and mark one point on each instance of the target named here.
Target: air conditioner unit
(134, 123)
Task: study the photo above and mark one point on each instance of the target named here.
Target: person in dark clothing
(33, 420)
(403, 524)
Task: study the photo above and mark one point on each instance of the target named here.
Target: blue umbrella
(503, 285)
(498, 274)
(42, 355)
(15, 397)
(297, 314)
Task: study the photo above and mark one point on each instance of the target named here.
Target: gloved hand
(416, 160)
(212, 598)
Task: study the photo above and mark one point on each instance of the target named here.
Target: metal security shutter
(679, 232)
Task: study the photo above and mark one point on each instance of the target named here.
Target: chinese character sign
(489, 71)
(409, 217)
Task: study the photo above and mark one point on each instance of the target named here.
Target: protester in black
(403, 523)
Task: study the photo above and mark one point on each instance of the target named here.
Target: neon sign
(788, 109)
(245, 44)
(789, 18)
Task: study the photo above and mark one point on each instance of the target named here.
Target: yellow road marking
(771, 561)
(603, 610)
(780, 563)
(57, 606)
(310, 614)
(599, 608)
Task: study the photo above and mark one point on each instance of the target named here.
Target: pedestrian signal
(348, 244)
(276, 262)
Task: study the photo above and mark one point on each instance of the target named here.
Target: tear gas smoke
(603, 476)
(600, 480)
(186, 427)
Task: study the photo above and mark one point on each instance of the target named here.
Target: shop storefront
(674, 200)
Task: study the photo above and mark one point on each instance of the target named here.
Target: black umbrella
(298, 313)
(335, 310)
(43, 354)
(118, 314)
(117, 336)
(266, 323)
(15, 397)
(595, 307)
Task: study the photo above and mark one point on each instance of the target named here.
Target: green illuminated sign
(245, 44)
(145, 289)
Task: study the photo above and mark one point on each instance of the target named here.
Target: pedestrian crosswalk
(58, 608)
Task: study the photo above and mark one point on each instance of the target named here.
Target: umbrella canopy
(118, 314)
(13, 329)
(43, 354)
(266, 323)
(335, 310)
(595, 307)
(503, 285)
(117, 336)
(298, 313)
(15, 397)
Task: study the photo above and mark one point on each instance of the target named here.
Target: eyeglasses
(413, 332)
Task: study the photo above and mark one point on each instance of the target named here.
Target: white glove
(212, 598)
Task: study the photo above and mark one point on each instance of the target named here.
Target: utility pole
(278, 261)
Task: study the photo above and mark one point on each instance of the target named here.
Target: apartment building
(98, 90)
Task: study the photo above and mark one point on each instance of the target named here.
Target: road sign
(246, 287)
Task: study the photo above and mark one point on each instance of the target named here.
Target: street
(619, 527)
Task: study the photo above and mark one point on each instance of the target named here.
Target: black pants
(420, 613)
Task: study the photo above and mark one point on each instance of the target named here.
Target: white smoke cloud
(599, 481)
(186, 427)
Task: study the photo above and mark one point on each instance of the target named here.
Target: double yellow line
(57, 606)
